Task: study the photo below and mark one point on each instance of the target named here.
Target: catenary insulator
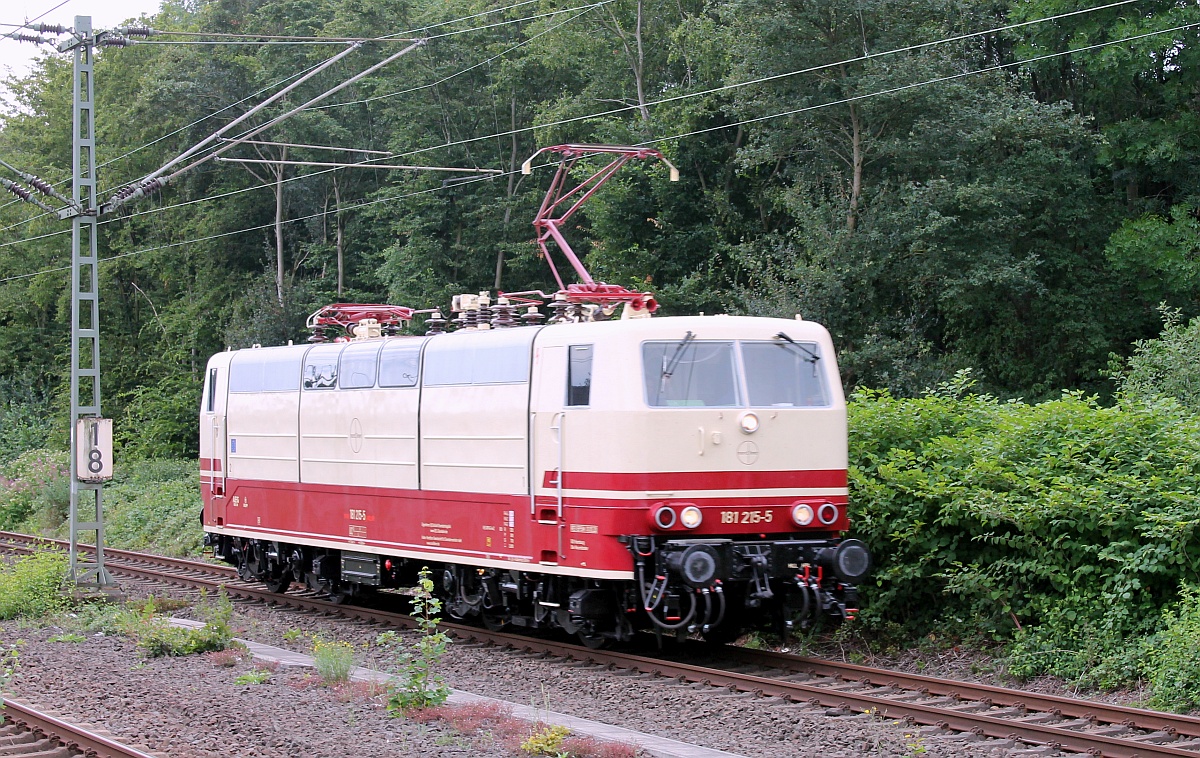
(37, 40)
(135, 31)
(41, 185)
(48, 28)
(114, 42)
(17, 190)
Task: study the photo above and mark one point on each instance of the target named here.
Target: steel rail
(881, 690)
(1000, 696)
(73, 736)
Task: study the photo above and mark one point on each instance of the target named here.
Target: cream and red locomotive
(598, 476)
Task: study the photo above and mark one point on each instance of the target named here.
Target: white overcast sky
(16, 57)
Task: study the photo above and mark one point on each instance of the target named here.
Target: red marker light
(387, 564)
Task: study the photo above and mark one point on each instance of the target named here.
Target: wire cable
(445, 79)
(260, 227)
(914, 85)
(164, 137)
(727, 87)
(760, 80)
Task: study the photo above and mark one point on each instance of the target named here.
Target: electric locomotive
(597, 473)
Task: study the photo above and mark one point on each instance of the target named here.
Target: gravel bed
(189, 707)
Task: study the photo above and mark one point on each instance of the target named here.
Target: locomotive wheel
(340, 595)
(593, 641)
(722, 635)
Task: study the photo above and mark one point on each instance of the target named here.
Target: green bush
(1165, 366)
(160, 420)
(1172, 657)
(35, 487)
(157, 637)
(32, 586)
(155, 507)
(28, 421)
(1073, 519)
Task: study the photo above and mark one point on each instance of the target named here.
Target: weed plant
(10, 656)
(546, 741)
(422, 685)
(31, 586)
(157, 637)
(333, 660)
(1172, 657)
(257, 676)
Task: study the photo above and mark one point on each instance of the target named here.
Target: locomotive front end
(745, 517)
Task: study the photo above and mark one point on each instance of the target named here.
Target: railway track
(1013, 719)
(27, 731)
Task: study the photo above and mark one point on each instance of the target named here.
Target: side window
(272, 369)
(579, 375)
(321, 367)
(500, 357)
(210, 404)
(399, 363)
(359, 362)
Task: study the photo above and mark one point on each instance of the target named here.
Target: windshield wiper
(810, 355)
(677, 356)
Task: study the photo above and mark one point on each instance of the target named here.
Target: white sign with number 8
(93, 456)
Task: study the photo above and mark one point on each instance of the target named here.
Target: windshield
(774, 374)
(690, 373)
(779, 375)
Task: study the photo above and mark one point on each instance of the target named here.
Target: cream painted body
(619, 433)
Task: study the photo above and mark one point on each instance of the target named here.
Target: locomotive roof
(720, 327)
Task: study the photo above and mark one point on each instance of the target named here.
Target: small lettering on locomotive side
(358, 514)
(747, 517)
(585, 529)
(578, 545)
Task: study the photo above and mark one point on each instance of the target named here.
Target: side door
(561, 392)
(213, 446)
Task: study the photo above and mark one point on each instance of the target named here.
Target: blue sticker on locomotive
(232, 445)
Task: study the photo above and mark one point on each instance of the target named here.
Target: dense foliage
(1030, 221)
(1064, 526)
(1025, 221)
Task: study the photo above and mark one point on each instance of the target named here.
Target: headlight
(749, 422)
(664, 517)
(698, 565)
(802, 514)
(827, 513)
(852, 561)
(691, 517)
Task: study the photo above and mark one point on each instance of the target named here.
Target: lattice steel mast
(87, 488)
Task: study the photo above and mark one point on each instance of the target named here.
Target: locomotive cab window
(690, 373)
(579, 375)
(784, 374)
(399, 363)
(210, 391)
(358, 365)
(321, 367)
